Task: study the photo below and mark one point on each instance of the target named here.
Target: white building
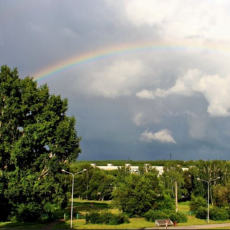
(133, 169)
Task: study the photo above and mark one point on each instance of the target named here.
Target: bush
(165, 202)
(106, 218)
(116, 219)
(196, 203)
(152, 215)
(201, 213)
(94, 218)
(218, 214)
(27, 213)
(179, 217)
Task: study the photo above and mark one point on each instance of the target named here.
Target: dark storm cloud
(103, 94)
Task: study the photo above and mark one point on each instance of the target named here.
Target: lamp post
(72, 191)
(208, 182)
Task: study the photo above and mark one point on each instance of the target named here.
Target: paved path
(50, 225)
(204, 226)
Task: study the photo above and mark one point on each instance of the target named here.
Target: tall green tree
(171, 174)
(137, 194)
(37, 139)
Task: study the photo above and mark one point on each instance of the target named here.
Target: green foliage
(153, 215)
(93, 218)
(196, 203)
(172, 173)
(37, 140)
(221, 195)
(139, 162)
(201, 213)
(28, 213)
(218, 214)
(106, 217)
(136, 194)
(179, 217)
(94, 184)
(164, 202)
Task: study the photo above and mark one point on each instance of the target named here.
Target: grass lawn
(10, 225)
(183, 206)
(84, 206)
(192, 220)
(80, 224)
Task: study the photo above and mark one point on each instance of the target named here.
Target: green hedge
(201, 213)
(153, 215)
(178, 217)
(106, 217)
(218, 214)
(214, 213)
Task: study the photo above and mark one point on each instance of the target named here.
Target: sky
(145, 79)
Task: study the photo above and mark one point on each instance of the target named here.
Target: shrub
(27, 213)
(165, 202)
(218, 214)
(115, 219)
(106, 217)
(201, 213)
(196, 203)
(179, 217)
(152, 215)
(94, 218)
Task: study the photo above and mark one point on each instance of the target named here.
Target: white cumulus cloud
(214, 88)
(163, 136)
(178, 19)
(146, 94)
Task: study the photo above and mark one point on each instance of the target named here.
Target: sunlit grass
(84, 206)
(192, 220)
(183, 206)
(10, 225)
(81, 224)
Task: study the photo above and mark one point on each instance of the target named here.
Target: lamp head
(84, 170)
(63, 170)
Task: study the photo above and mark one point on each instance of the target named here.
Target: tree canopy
(37, 139)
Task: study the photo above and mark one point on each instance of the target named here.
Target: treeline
(140, 192)
(139, 163)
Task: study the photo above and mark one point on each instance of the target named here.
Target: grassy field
(82, 207)
(10, 225)
(192, 220)
(80, 224)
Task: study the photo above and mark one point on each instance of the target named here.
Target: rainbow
(85, 58)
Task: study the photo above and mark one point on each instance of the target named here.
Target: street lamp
(208, 182)
(72, 191)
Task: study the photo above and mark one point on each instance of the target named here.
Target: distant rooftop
(133, 169)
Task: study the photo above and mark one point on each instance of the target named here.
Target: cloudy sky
(144, 78)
